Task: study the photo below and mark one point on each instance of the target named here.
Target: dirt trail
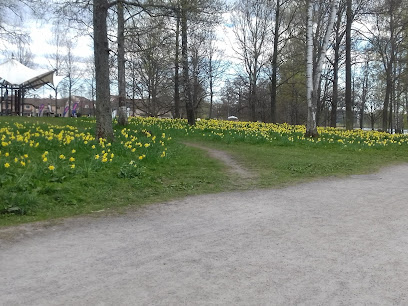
(235, 168)
(329, 242)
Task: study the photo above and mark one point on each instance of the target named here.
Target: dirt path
(246, 177)
(331, 242)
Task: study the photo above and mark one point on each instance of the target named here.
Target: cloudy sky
(41, 44)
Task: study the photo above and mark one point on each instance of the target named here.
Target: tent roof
(14, 73)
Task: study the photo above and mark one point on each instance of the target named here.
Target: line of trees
(354, 75)
(314, 62)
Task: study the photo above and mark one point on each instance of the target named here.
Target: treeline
(174, 61)
(266, 79)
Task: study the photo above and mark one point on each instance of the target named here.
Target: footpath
(329, 242)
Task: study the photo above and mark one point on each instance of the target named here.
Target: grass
(53, 167)
(183, 174)
(280, 166)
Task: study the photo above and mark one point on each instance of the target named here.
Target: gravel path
(331, 242)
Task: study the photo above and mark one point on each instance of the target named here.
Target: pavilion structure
(16, 79)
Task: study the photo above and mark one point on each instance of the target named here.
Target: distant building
(80, 106)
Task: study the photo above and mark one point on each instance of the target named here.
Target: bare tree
(348, 97)
(72, 71)
(90, 82)
(284, 16)
(177, 65)
(11, 16)
(56, 58)
(336, 62)
(104, 127)
(387, 38)
(187, 12)
(150, 67)
(121, 65)
(23, 52)
(314, 69)
(184, 8)
(251, 26)
(215, 68)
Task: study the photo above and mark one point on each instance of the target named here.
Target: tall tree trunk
(311, 127)
(133, 91)
(319, 101)
(211, 86)
(389, 70)
(362, 107)
(275, 63)
(335, 98)
(186, 76)
(387, 97)
(104, 127)
(69, 95)
(313, 77)
(252, 97)
(348, 96)
(390, 120)
(364, 95)
(176, 71)
(123, 120)
(195, 85)
(56, 101)
(362, 115)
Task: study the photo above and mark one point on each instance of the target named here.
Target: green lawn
(281, 165)
(148, 162)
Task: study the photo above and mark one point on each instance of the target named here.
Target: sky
(41, 37)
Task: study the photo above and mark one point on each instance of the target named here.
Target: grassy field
(54, 167)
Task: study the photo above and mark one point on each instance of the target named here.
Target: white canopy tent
(19, 78)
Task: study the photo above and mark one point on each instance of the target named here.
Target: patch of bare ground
(241, 176)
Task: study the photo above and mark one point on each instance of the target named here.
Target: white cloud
(41, 44)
